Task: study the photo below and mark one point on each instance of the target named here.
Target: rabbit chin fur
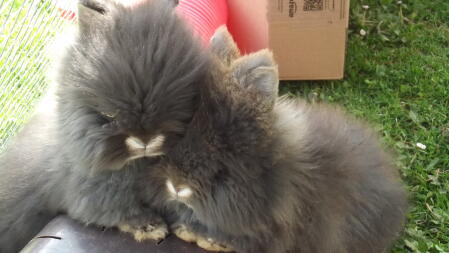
(125, 90)
(274, 175)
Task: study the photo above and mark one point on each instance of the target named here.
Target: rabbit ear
(257, 71)
(223, 46)
(91, 14)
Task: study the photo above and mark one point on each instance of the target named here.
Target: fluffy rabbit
(125, 91)
(257, 173)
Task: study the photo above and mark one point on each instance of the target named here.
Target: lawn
(26, 28)
(397, 78)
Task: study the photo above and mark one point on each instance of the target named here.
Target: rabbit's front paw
(209, 244)
(183, 233)
(143, 229)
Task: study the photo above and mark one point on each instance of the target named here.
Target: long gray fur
(278, 175)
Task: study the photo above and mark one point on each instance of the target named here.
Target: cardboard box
(308, 37)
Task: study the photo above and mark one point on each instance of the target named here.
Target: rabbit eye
(109, 115)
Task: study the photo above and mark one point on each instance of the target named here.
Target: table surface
(64, 235)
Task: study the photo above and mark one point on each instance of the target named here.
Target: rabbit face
(128, 85)
(194, 178)
(216, 167)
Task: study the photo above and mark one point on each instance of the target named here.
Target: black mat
(64, 235)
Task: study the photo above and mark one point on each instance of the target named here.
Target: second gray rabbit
(257, 173)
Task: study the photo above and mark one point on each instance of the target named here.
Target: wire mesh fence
(26, 28)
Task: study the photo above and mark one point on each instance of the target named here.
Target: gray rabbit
(257, 173)
(125, 91)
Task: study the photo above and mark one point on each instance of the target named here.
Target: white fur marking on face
(134, 143)
(138, 149)
(183, 192)
(153, 147)
(170, 187)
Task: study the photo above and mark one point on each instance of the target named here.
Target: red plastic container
(247, 22)
(205, 16)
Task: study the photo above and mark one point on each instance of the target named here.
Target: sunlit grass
(27, 27)
(397, 78)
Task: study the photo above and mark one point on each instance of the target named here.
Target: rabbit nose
(151, 147)
(179, 191)
(135, 143)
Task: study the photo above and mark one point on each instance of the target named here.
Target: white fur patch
(171, 187)
(139, 149)
(154, 146)
(134, 143)
(183, 192)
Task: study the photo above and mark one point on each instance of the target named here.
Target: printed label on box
(307, 12)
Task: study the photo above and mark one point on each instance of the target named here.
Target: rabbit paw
(209, 244)
(184, 234)
(145, 230)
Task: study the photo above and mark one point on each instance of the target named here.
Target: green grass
(26, 28)
(397, 78)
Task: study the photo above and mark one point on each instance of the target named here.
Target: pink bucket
(205, 16)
